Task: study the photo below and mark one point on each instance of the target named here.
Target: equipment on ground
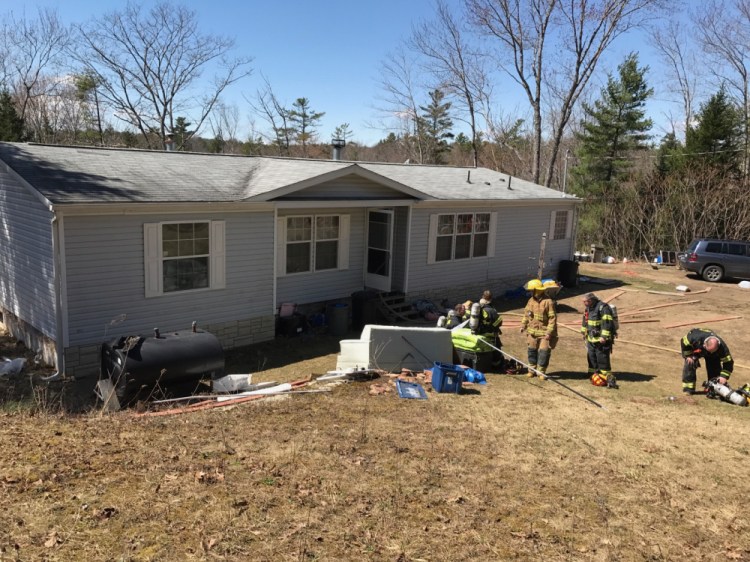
(544, 375)
(714, 389)
(598, 380)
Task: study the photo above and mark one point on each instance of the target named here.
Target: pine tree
(613, 129)
(305, 121)
(436, 125)
(11, 124)
(717, 137)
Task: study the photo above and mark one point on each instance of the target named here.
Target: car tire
(713, 273)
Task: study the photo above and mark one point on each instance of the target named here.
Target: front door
(379, 249)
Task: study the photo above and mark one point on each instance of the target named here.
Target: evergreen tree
(436, 125)
(305, 121)
(11, 124)
(717, 137)
(613, 129)
(181, 133)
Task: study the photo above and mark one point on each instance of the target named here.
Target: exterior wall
(400, 246)
(104, 270)
(347, 188)
(517, 244)
(27, 274)
(313, 287)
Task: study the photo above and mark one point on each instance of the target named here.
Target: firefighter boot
(543, 361)
(689, 376)
(532, 361)
(612, 381)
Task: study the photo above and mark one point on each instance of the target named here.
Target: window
(560, 225)
(735, 249)
(459, 236)
(312, 243)
(183, 256)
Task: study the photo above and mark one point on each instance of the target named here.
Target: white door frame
(375, 280)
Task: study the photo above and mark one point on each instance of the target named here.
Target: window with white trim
(311, 243)
(462, 236)
(183, 256)
(560, 225)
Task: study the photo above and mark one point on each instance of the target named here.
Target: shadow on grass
(625, 376)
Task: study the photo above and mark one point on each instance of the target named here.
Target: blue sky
(328, 51)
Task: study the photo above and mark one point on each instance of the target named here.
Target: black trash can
(364, 308)
(567, 273)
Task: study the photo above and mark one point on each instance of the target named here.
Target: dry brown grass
(516, 469)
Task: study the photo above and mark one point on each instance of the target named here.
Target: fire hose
(542, 375)
(529, 367)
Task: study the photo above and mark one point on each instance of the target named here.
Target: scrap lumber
(706, 321)
(613, 297)
(647, 308)
(668, 293)
(678, 351)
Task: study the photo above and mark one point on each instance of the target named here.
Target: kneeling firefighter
(540, 324)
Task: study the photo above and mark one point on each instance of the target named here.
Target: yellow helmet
(534, 285)
(550, 284)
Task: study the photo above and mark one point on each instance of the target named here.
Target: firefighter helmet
(598, 380)
(550, 284)
(534, 285)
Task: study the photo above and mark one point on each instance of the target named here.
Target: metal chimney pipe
(338, 147)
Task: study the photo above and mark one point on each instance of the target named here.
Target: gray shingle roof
(99, 175)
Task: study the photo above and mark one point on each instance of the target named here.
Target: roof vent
(338, 147)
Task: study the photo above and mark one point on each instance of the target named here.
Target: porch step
(394, 307)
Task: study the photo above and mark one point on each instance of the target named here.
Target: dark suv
(716, 259)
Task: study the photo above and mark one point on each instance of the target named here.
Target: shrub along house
(161, 239)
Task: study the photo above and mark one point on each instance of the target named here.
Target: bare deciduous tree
(458, 67)
(723, 31)
(554, 47)
(148, 65)
(31, 55)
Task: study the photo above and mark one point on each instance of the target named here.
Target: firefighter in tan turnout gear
(540, 324)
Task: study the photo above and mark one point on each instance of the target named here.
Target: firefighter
(540, 324)
(598, 330)
(460, 314)
(704, 343)
(485, 321)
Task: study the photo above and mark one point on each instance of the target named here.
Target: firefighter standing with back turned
(598, 329)
(540, 324)
(704, 343)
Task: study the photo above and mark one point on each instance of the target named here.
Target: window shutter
(218, 255)
(281, 246)
(551, 231)
(152, 259)
(492, 235)
(569, 225)
(344, 227)
(432, 239)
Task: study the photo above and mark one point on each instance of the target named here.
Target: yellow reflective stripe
(688, 385)
(726, 374)
(727, 358)
(606, 317)
(686, 341)
(595, 322)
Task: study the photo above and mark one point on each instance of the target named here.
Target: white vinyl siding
(183, 256)
(517, 237)
(105, 271)
(27, 265)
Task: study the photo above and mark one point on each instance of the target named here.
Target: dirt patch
(516, 469)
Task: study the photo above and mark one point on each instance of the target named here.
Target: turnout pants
(539, 351)
(598, 357)
(689, 375)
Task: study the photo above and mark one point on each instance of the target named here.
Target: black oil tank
(137, 363)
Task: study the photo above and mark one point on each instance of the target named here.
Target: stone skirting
(84, 359)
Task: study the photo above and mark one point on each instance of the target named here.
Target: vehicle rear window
(714, 247)
(693, 246)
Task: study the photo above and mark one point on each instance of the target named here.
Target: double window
(311, 243)
(183, 256)
(459, 236)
